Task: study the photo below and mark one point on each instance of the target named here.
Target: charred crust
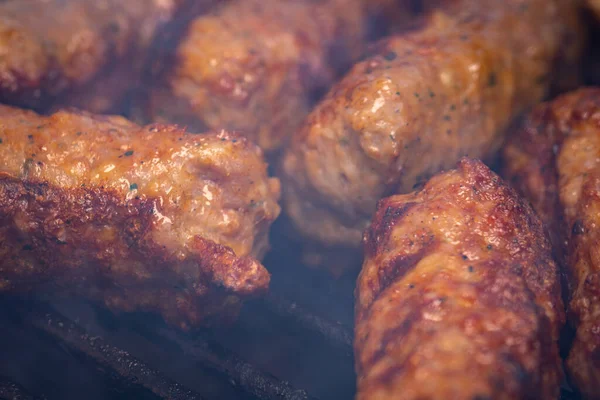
(396, 334)
(400, 265)
(387, 216)
(241, 275)
(71, 239)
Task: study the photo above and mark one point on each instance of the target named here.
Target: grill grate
(12, 391)
(295, 344)
(102, 338)
(134, 376)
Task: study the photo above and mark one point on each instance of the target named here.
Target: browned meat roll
(418, 104)
(257, 65)
(554, 160)
(459, 297)
(79, 52)
(140, 218)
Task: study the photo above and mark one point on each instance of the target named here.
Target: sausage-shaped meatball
(459, 297)
(256, 66)
(553, 158)
(416, 106)
(141, 218)
(67, 51)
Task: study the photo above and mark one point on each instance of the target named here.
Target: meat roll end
(141, 218)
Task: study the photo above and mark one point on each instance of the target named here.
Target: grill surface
(287, 346)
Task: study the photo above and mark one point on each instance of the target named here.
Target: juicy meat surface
(65, 51)
(459, 297)
(418, 104)
(256, 66)
(553, 158)
(141, 218)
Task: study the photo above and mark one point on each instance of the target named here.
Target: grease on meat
(415, 106)
(141, 218)
(459, 297)
(553, 158)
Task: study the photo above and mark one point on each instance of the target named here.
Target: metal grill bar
(208, 354)
(212, 350)
(129, 368)
(261, 385)
(12, 391)
(335, 334)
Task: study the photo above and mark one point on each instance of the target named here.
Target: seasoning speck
(578, 228)
(114, 27)
(471, 268)
(133, 186)
(489, 246)
(492, 79)
(128, 153)
(390, 56)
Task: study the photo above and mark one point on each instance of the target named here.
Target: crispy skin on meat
(65, 51)
(459, 297)
(141, 218)
(257, 65)
(554, 160)
(416, 106)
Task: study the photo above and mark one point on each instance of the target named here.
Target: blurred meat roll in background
(594, 5)
(88, 54)
(554, 160)
(140, 218)
(459, 297)
(257, 66)
(416, 105)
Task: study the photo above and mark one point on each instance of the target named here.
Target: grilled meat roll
(418, 104)
(67, 51)
(257, 66)
(554, 160)
(141, 218)
(459, 297)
